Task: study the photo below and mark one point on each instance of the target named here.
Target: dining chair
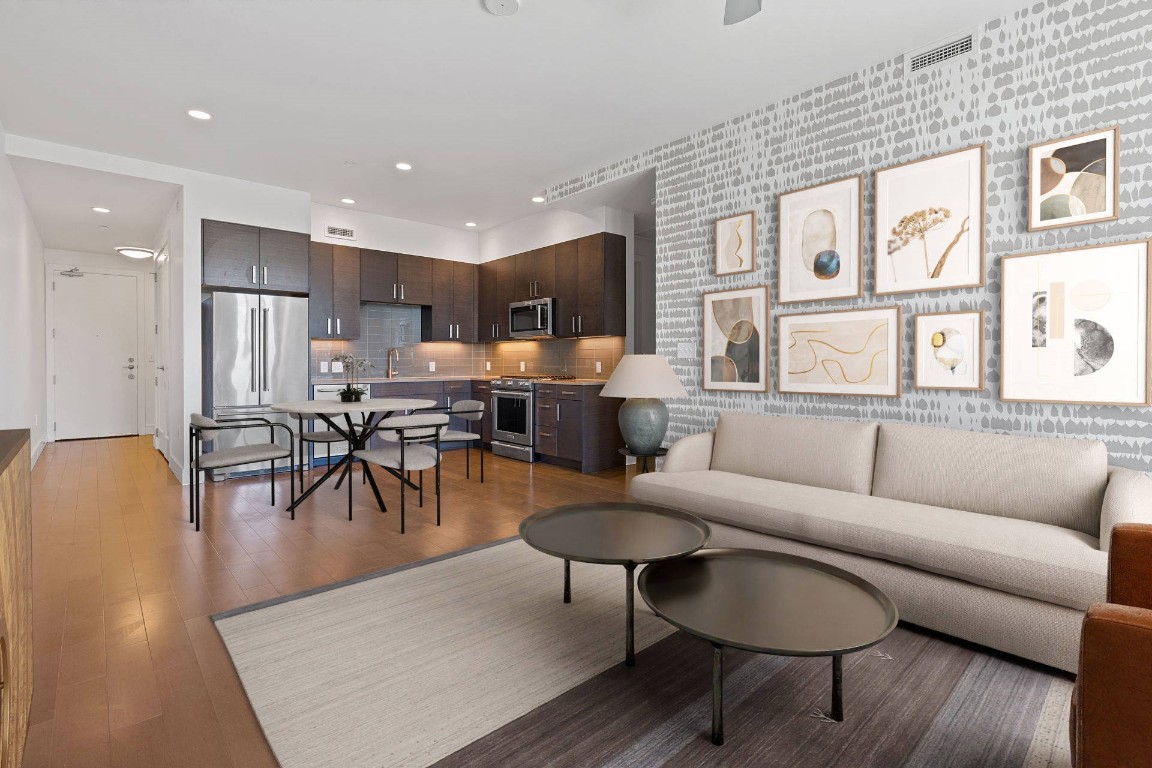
(415, 448)
(202, 429)
(326, 436)
(470, 411)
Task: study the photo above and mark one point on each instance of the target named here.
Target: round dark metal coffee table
(768, 602)
(614, 533)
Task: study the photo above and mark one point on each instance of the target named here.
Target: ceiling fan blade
(736, 11)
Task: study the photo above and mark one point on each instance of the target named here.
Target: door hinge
(156, 329)
(53, 285)
(53, 333)
(53, 378)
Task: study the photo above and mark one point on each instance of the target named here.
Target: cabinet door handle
(393, 290)
(497, 330)
(573, 323)
(401, 292)
(253, 274)
(337, 326)
(558, 412)
(265, 275)
(567, 392)
(329, 326)
(449, 400)
(581, 324)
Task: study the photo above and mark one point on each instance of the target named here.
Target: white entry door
(96, 357)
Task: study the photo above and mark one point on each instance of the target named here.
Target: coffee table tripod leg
(630, 654)
(718, 694)
(567, 581)
(837, 712)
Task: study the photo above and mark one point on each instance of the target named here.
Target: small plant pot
(351, 397)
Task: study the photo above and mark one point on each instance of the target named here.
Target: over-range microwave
(530, 319)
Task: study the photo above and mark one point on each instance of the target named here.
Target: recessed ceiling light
(98, 209)
(347, 201)
(469, 223)
(404, 166)
(537, 199)
(135, 253)
(199, 114)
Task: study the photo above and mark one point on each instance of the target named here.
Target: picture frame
(1074, 180)
(1075, 325)
(735, 353)
(948, 350)
(840, 352)
(735, 244)
(821, 238)
(930, 223)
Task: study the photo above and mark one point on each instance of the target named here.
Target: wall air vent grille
(938, 53)
(344, 233)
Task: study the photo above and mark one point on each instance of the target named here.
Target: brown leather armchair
(1112, 705)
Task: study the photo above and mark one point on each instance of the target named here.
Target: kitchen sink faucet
(393, 355)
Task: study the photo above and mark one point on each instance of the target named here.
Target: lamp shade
(644, 376)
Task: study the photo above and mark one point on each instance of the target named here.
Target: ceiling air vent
(937, 53)
(344, 233)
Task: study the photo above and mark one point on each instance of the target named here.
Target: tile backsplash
(384, 326)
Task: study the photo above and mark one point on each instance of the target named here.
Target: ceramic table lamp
(645, 380)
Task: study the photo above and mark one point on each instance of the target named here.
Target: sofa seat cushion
(1020, 557)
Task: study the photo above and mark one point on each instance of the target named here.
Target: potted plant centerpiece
(353, 366)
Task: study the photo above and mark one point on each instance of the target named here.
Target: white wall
(204, 196)
(23, 394)
(550, 226)
(384, 233)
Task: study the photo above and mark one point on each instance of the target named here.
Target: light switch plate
(685, 350)
(599, 368)
(432, 366)
(523, 366)
(323, 366)
(337, 367)
(488, 365)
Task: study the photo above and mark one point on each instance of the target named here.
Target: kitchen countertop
(419, 379)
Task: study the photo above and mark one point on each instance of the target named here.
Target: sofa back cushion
(838, 455)
(1059, 481)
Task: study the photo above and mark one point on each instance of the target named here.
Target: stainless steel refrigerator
(255, 354)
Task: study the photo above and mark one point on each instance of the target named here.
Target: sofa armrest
(691, 453)
(1130, 566)
(1112, 725)
(1127, 499)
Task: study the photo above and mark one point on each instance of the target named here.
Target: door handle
(329, 326)
(161, 368)
(130, 367)
(581, 324)
(253, 348)
(337, 326)
(264, 351)
(558, 409)
(573, 323)
(457, 330)
(393, 290)
(265, 275)
(401, 292)
(253, 274)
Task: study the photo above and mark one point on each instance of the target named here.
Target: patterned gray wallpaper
(1054, 69)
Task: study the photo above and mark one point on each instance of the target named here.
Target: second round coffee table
(614, 533)
(768, 602)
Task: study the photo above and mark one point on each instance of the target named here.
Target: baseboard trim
(39, 449)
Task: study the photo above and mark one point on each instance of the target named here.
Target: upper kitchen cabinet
(254, 259)
(414, 279)
(496, 289)
(334, 301)
(535, 274)
(452, 316)
(395, 278)
(590, 286)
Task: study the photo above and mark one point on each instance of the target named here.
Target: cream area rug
(408, 667)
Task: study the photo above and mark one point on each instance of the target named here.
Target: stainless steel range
(513, 411)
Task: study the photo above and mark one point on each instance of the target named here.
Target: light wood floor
(129, 670)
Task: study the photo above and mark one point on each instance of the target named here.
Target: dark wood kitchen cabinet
(487, 306)
(395, 278)
(577, 428)
(452, 316)
(535, 274)
(334, 299)
(252, 258)
(590, 286)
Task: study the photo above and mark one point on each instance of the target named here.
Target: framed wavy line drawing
(736, 244)
(847, 352)
(736, 340)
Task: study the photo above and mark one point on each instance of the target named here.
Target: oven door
(512, 417)
(530, 319)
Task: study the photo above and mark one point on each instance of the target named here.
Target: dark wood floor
(129, 670)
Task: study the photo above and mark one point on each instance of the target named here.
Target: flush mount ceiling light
(347, 201)
(404, 166)
(469, 223)
(135, 253)
(736, 11)
(199, 114)
(537, 199)
(98, 209)
(502, 7)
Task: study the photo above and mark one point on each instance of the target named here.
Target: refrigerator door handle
(264, 351)
(252, 343)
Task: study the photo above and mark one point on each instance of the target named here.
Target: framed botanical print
(930, 223)
(821, 232)
(846, 352)
(736, 340)
(949, 350)
(1075, 326)
(736, 244)
(1074, 180)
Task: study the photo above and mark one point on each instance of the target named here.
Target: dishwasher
(327, 392)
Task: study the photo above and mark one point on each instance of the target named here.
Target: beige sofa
(995, 539)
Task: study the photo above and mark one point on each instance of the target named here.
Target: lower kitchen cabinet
(577, 428)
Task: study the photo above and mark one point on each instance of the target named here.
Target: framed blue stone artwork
(1074, 180)
(821, 232)
(1074, 326)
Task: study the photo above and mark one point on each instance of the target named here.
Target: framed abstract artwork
(736, 244)
(949, 350)
(821, 232)
(847, 352)
(1074, 180)
(930, 223)
(736, 340)
(1074, 326)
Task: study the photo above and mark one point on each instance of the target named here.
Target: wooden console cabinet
(15, 594)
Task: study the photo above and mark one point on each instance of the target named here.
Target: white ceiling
(61, 198)
(489, 110)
